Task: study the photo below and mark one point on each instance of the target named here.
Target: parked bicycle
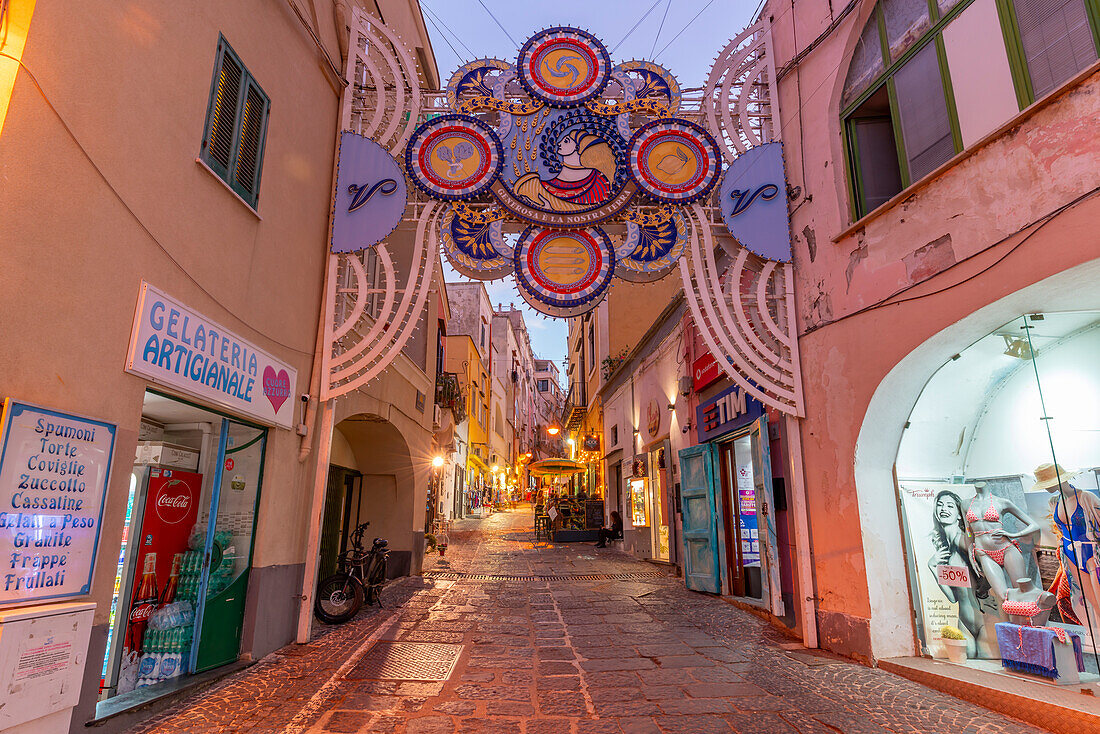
(360, 578)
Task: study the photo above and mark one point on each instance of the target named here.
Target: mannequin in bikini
(1076, 515)
(995, 549)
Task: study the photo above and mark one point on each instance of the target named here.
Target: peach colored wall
(913, 242)
(132, 81)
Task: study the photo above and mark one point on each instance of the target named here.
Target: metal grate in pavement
(455, 576)
(423, 661)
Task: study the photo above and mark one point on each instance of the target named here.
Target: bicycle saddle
(381, 542)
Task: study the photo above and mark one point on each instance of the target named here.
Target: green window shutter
(236, 125)
(253, 129)
(221, 118)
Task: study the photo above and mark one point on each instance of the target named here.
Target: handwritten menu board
(53, 480)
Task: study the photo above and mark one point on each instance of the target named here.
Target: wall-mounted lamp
(437, 462)
(1016, 347)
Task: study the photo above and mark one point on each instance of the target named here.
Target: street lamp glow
(496, 468)
(572, 442)
(553, 429)
(437, 462)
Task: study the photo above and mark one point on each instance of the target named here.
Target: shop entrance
(658, 500)
(182, 576)
(997, 480)
(742, 534)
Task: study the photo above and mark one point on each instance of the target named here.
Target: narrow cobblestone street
(589, 642)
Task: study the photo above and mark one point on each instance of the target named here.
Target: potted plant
(954, 641)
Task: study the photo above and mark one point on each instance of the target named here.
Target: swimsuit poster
(950, 591)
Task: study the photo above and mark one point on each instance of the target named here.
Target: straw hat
(1047, 476)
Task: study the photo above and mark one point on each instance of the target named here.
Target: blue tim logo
(744, 198)
(360, 195)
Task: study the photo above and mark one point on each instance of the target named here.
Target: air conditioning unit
(437, 417)
(685, 385)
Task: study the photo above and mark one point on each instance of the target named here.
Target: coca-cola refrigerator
(163, 510)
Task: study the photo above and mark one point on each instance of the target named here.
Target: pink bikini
(990, 515)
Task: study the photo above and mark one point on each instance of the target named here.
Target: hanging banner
(754, 202)
(370, 194)
(173, 345)
(53, 479)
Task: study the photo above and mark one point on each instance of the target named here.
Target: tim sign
(726, 411)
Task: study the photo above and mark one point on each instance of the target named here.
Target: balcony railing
(449, 395)
(576, 405)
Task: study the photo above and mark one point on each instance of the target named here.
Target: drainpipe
(807, 599)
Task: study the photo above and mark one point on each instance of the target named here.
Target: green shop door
(229, 540)
(700, 538)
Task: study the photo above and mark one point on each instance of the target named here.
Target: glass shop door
(229, 540)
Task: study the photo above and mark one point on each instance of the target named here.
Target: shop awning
(555, 467)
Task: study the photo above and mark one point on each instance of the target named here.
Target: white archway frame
(891, 623)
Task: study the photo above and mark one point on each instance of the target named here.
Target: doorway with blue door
(731, 535)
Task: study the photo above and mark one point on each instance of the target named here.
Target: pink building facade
(942, 165)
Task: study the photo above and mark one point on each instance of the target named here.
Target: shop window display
(183, 569)
(997, 479)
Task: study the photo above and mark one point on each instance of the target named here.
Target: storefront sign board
(174, 345)
(728, 410)
(54, 469)
(705, 371)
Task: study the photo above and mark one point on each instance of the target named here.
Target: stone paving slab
(566, 656)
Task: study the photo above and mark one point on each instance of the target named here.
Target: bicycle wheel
(376, 579)
(339, 598)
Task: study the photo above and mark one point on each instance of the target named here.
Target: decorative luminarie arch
(566, 171)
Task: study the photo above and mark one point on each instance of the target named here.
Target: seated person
(615, 532)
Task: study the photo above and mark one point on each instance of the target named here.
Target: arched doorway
(371, 479)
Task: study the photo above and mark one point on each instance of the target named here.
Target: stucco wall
(950, 244)
(77, 242)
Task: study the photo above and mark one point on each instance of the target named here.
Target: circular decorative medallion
(476, 248)
(563, 272)
(454, 157)
(563, 66)
(561, 164)
(674, 161)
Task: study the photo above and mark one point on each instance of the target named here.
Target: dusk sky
(684, 36)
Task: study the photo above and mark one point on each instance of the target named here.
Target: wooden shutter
(222, 117)
(922, 107)
(236, 125)
(1056, 39)
(246, 173)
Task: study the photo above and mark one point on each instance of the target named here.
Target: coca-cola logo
(141, 613)
(173, 501)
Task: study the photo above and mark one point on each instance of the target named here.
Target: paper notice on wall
(43, 661)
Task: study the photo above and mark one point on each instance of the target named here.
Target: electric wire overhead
(499, 24)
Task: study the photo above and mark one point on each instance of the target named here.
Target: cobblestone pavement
(626, 650)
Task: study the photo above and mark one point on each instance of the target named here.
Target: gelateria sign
(174, 345)
(53, 479)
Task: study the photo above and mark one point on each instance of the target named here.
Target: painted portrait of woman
(584, 181)
(949, 541)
